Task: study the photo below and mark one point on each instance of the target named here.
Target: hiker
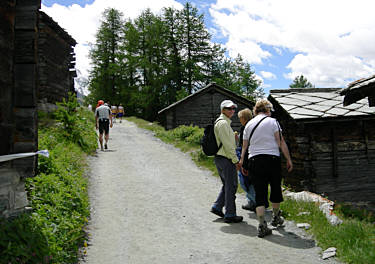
(245, 115)
(103, 120)
(120, 112)
(114, 113)
(265, 164)
(227, 164)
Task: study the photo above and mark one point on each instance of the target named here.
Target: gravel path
(150, 204)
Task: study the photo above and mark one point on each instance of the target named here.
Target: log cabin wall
(18, 86)
(332, 146)
(56, 62)
(343, 160)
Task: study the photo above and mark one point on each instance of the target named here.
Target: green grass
(53, 231)
(354, 238)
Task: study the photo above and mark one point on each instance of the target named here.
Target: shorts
(120, 114)
(104, 126)
(266, 169)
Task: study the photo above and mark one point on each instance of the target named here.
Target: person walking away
(227, 164)
(265, 163)
(114, 113)
(121, 112)
(245, 115)
(103, 120)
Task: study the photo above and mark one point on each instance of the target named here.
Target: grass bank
(354, 238)
(53, 231)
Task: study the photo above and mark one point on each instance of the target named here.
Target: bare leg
(101, 141)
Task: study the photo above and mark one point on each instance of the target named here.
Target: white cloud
(268, 75)
(82, 23)
(333, 39)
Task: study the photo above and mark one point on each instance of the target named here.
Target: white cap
(227, 103)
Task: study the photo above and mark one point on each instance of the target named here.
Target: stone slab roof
(310, 103)
(360, 89)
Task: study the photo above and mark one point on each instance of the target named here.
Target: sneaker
(277, 220)
(263, 230)
(249, 206)
(246, 206)
(101, 148)
(105, 146)
(217, 212)
(233, 219)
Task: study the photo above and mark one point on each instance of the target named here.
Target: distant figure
(264, 158)
(103, 120)
(121, 112)
(114, 112)
(227, 164)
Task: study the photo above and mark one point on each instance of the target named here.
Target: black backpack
(208, 141)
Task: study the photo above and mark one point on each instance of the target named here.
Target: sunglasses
(229, 108)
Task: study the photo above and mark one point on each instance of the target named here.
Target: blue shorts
(120, 114)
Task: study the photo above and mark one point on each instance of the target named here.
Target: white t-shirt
(263, 140)
(102, 112)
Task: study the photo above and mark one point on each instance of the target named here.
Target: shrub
(53, 232)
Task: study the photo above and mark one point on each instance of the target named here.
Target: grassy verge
(354, 238)
(53, 232)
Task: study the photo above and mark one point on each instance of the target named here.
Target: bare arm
(245, 144)
(284, 150)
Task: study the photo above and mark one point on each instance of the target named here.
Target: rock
(329, 252)
(303, 213)
(304, 225)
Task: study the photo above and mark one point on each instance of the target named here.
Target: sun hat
(227, 103)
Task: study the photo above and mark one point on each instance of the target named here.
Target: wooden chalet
(56, 62)
(202, 108)
(332, 146)
(360, 89)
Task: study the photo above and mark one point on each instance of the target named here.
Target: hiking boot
(233, 219)
(217, 212)
(105, 146)
(277, 220)
(263, 230)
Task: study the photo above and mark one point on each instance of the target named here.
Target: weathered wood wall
(343, 160)
(333, 157)
(201, 111)
(7, 19)
(56, 61)
(18, 86)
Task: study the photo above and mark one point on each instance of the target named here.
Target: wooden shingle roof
(310, 103)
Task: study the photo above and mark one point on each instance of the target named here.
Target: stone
(329, 252)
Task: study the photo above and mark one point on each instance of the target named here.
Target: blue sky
(329, 42)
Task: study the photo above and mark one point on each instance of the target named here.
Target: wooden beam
(334, 152)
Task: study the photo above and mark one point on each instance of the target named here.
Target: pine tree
(105, 53)
(301, 82)
(195, 49)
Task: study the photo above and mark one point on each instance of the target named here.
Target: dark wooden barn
(360, 89)
(36, 65)
(202, 108)
(332, 146)
(56, 62)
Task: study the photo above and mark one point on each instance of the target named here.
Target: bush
(53, 232)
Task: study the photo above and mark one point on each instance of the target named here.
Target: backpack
(208, 141)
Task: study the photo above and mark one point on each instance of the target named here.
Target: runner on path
(149, 204)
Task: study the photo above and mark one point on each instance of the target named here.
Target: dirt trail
(150, 204)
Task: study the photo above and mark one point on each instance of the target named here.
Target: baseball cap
(227, 103)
